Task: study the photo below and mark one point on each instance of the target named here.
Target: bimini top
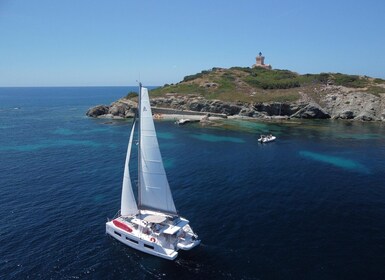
(155, 219)
(171, 229)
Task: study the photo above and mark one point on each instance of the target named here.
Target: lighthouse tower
(260, 62)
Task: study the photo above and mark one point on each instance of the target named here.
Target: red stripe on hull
(122, 226)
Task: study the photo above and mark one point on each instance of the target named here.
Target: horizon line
(72, 86)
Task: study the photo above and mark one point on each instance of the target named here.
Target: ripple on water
(70, 132)
(166, 135)
(357, 136)
(168, 163)
(64, 131)
(46, 144)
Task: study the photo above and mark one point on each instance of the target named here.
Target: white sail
(128, 203)
(154, 190)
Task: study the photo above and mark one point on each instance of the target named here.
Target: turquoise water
(310, 205)
(216, 138)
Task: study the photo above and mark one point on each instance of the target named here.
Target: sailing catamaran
(152, 225)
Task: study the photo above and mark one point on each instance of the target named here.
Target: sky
(117, 42)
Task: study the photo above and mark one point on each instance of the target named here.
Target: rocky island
(263, 93)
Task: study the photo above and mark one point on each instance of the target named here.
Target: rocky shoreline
(335, 102)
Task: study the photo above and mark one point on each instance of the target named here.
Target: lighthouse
(260, 62)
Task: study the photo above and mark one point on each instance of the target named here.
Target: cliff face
(357, 105)
(333, 102)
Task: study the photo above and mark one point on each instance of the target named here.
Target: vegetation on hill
(131, 95)
(262, 85)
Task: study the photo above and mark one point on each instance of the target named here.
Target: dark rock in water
(97, 111)
(118, 109)
(346, 115)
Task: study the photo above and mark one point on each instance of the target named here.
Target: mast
(139, 145)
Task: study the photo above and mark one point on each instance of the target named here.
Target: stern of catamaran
(187, 239)
(188, 244)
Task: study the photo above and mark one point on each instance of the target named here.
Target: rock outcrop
(354, 105)
(334, 102)
(311, 111)
(118, 110)
(97, 111)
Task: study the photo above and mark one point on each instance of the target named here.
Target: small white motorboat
(182, 121)
(266, 138)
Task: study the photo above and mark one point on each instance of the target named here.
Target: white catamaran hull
(144, 244)
(160, 238)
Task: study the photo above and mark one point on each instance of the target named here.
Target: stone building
(260, 62)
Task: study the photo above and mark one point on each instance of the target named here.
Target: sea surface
(310, 205)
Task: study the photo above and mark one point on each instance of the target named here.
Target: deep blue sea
(309, 206)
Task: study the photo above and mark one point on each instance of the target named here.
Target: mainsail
(154, 190)
(128, 203)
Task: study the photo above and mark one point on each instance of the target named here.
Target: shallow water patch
(216, 138)
(244, 125)
(340, 162)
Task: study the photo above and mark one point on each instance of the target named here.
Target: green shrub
(323, 78)
(228, 76)
(273, 79)
(196, 76)
(192, 77)
(131, 94)
(350, 80)
(377, 91)
(244, 69)
(379, 81)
